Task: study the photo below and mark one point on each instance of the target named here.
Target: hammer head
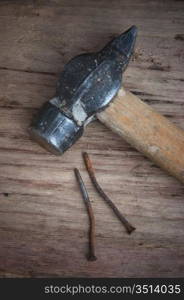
(86, 86)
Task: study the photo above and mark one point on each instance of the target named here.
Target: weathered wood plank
(43, 222)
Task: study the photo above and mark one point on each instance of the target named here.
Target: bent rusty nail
(89, 167)
(91, 256)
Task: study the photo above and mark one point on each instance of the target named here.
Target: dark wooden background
(43, 221)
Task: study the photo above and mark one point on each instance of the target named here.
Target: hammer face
(53, 130)
(86, 86)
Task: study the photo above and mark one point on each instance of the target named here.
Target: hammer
(90, 87)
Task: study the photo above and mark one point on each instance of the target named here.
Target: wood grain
(145, 129)
(43, 221)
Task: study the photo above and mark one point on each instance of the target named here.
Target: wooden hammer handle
(147, 131)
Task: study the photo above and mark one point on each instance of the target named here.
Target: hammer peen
(90, 87)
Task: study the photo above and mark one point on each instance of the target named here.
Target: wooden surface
(43, 221)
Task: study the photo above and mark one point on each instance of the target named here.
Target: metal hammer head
(86, 86)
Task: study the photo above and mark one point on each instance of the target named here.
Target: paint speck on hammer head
(121, 93)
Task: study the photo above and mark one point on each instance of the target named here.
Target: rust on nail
(91, 255)
(89, 167)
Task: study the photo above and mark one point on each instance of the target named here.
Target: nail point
(91, 257)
